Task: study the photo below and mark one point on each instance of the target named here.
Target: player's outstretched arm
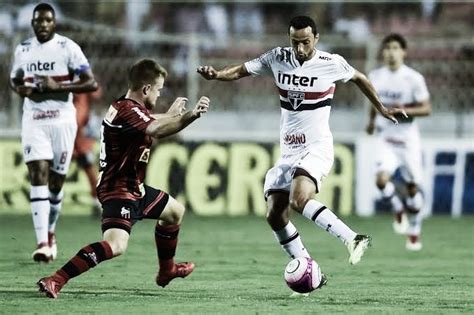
(176, 109)
(167, 125)
(371, 125)
(422, 108)
(228, 73)
(86, 83)
(368, 89)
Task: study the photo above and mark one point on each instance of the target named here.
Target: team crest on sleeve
(111, 113)
(295, 98)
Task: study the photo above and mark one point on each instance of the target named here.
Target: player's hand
(178, 107)
(370, 127)
(46, 84)
(24, 91)
(201, 107)
(390, 114)
(208, 72)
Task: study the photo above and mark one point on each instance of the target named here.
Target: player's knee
(412, 189)
(56, 182)
(118, 246)
(177, 214)
(298, 202)
(38, 177)
(277, 218)
(381, 181)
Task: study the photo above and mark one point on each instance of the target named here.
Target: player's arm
(422, 108)
(369, 91)
(228, 73)
(371, 125)
(86, 83)
(164, 126)
(19, 87)
(176, 109)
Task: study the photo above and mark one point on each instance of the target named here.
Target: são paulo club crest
(295, 98)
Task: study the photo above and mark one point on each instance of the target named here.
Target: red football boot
(50, 286)
(180, 270)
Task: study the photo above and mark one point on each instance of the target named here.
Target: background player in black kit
(126, 138)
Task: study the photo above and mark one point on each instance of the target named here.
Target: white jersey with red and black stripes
(305, 91)
(60, 58)
(402, 88)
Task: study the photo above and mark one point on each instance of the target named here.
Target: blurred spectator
(248, 19)
(135, 12)
(216, 18)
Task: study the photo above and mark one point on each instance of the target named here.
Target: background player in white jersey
(46, 69)
(305, 78)
(400, 86)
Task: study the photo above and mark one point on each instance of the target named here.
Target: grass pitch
(239, 270)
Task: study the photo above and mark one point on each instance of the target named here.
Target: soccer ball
(303, 275)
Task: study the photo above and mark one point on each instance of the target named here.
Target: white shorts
(317, 161)
(407, 157)
(53, 142)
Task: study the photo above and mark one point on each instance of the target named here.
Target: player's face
(393, 54)
(153, 92)
(44, 24)
(303, 42)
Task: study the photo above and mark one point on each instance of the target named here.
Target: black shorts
(123, 213)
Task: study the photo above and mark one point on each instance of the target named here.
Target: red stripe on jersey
(309, 95)
(160, 196)
(57, 78)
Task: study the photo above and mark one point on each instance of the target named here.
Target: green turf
(240, 270)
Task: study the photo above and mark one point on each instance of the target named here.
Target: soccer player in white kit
(46, 69)
(305, 78)
(400, 86)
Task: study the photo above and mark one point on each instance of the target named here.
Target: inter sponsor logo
(293, 79)
(40, 66)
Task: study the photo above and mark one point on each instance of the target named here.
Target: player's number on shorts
(63, 157)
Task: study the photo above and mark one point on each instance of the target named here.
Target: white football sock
(389, 193)
(39, 200)
(56, 202)
(326, 219)
(414, 213)
(290, 241)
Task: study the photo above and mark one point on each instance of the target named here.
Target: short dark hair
(44, 7)
(144, 71)
(394, 37)
(302, 21)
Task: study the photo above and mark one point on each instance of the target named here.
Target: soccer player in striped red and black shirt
(127, 132)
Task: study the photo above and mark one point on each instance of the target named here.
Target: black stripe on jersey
(38, 199)
(302, 107)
